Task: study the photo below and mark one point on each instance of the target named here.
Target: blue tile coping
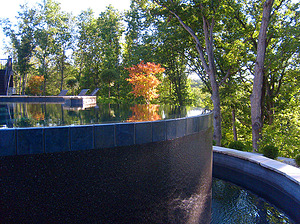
(22, 141)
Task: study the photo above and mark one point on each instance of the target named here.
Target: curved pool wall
(148, 172)
(277, 182)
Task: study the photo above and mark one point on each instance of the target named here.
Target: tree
(72, 82)
(205, 16)
(108, 76)
(23, 42)
(171, 51)
(35, 85)
(139, 34)
(256, 97)
(99, 49)
(63, 40)
(53, 39)
(143, 80)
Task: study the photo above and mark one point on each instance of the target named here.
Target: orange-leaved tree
(35, 85)
(143, 79)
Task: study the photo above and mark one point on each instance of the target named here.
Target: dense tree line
(245, 54)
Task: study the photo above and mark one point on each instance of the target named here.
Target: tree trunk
(24, 83)
(211, 71)
(233, 125)
(62, 70)
(256, 97)
(217, 117)
(209, 67)
(20, 85)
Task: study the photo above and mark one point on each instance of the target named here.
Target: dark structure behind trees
(6, 76)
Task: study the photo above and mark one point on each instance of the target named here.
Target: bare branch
(280, 82)
(192, 33)
(225, 77)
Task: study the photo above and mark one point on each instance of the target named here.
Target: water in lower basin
(233, 204)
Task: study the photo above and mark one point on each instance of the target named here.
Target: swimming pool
(114, 162)
(49, 114)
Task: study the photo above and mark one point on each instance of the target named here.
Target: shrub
(214, 143)
(236, 145)
(270, 151)
(297, 159)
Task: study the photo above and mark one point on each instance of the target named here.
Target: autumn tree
(144, 81)
(35, 85)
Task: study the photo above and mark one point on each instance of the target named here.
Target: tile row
(22, 141)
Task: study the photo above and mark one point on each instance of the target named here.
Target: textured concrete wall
(158, 182)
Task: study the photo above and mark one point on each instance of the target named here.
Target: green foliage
(44, 37)
(237, 145)
(24, 122)
(270, 151)
(284, 132)
(99, 52)
(72, 83)
(297, 159)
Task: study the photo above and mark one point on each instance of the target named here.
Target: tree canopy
(245, 55)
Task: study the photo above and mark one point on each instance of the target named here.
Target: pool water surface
(17, 115)
(233, 204)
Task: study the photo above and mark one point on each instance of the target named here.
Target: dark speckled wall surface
(159, 182)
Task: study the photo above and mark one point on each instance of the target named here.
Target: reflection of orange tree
(38, 116)
(143, 80)
(146, 112)
(36, 112)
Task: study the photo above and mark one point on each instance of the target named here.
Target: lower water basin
(233, 204)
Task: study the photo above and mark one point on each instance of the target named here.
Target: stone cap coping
(291, 172)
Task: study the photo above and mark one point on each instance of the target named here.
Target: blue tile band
(22, 141)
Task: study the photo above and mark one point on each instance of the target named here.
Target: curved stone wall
(149, 172)
(277, 182)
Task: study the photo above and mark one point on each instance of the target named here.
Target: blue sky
(74, 6)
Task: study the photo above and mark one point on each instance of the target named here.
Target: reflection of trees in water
(25, 122)
(32, 115)
(232, 204)
(6, 115)
(113, 113)
(36, 112)
(146, 112)
(172, 112)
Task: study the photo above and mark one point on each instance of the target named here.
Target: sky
(74, 6)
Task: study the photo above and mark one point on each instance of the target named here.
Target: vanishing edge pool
(108, 170)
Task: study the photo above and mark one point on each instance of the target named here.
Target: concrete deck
(288, 171)
(72, 101)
